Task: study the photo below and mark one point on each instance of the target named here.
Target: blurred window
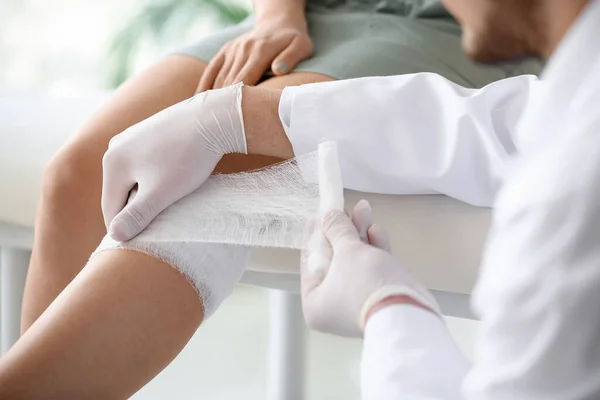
(71, 47)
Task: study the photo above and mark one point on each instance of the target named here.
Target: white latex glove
(359, 277)
(168, 156)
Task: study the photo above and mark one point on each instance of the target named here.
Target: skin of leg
(69, 224)
(120, 322)
(232, 163)
(116, 325)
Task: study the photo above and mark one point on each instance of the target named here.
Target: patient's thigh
(241, 162)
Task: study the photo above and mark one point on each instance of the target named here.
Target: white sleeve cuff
(408, 353)
(295, 103)
(295, 106)
(410, 323)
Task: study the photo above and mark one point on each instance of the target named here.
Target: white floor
(226, 359)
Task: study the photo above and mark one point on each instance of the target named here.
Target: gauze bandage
(207, 234)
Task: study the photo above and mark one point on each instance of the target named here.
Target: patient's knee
(212, 269)
(72, 175)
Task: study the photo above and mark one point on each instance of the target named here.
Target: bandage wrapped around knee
(212, 269)
(208, 235)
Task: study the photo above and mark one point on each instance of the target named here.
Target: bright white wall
(59, 47)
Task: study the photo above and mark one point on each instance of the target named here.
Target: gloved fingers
(315, 260)
(309, 230)
(137, 214)
(316, 309)
(378, 237)
(115, 188)
(310, 278)
(362, 218)
(300, 48)
(338, 227)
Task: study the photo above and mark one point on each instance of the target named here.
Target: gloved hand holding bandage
(360, 276)
(168, 156)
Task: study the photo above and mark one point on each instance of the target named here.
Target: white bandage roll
(331, 189)
(208, 233)
(268, 207)
(331, 197)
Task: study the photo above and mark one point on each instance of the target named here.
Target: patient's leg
(115, 327)
(69, 222)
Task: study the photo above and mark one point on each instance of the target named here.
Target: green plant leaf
(163, 22)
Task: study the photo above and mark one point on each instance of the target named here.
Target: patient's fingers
(240, 58)
(252, 71)
(210, 73)
(224, 71)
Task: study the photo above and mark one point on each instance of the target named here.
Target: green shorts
(355, 44)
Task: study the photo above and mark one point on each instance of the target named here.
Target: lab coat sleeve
(411, 134)
(539, 290)
(408, 354)
(538, 295)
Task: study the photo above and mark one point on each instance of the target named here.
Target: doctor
(538, 296)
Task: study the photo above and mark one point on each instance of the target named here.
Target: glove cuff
(382, 293)
(224, 131)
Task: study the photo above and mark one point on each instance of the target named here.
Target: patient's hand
(276, 42)
(168, 156)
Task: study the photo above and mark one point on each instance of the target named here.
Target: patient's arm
(264, 132)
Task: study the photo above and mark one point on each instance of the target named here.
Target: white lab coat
(538, 295)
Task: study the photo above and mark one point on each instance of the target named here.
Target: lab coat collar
(566, 74)
(577, 54)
